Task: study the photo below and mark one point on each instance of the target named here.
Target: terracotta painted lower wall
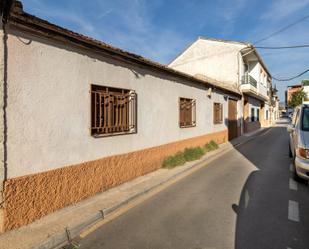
(31, 197)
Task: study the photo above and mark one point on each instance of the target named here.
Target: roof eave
(20, 18)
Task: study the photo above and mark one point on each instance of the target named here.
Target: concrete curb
(64, 238)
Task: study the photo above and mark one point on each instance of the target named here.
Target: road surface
(246, 199)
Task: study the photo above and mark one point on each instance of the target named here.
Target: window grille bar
(187, 114)
(113, 111)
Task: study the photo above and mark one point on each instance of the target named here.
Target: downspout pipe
(5, 8)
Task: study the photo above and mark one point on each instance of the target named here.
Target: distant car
(299, 141)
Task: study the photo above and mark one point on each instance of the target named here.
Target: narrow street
(246, 199)
(154, 124)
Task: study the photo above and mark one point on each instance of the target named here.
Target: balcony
(248, 79)
(251, 87)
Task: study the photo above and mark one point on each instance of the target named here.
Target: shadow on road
(263, 208)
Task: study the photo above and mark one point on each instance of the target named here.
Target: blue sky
(160, 29)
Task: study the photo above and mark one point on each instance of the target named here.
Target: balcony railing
(248, 79)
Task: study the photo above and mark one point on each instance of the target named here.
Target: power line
(284, 47)
(292, 78)
(282, 29)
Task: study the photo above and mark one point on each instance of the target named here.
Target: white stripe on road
(291, 168)
(293, 211)
(293, 184)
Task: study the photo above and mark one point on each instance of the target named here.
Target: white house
(81, 116)
(236, 64)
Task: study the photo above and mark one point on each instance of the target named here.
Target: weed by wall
(189, 154)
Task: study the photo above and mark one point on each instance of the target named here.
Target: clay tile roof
(30, 22)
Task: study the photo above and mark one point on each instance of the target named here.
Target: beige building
(234, 64)
(80, 116)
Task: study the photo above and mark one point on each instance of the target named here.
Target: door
(232, 119)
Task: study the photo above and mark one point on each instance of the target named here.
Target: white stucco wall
(215, 59)
(49, 106)
(255, 69)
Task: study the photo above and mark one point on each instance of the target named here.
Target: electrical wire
(292, 78)
(284, 47)
(282, 29)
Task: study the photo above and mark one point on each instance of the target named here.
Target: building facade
(81, 116)
(236, 64)
(291, 90)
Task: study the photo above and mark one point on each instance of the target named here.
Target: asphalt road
(246, 199)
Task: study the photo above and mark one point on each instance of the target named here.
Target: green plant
(189, 154)
(214, 144)
(210, 146)
(305, 82)
(173, 161)
(192, 154)
(297, 98)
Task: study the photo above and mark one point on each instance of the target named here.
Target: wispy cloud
(104, 14)
(232, 9)
(282, 8)
(228, 13)
(130, 25)
(135, 31)
(63, 15)
(85, 26)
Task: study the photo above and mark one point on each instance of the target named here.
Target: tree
(305, 82)
(297, 98)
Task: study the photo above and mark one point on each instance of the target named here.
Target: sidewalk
(55, 229)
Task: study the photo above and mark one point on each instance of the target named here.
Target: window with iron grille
(187, 112)
(218, 113)
(113, 111)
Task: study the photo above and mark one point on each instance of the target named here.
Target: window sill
(187, 126)
(98, 135)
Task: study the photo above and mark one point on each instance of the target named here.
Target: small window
(113, 111)
(187, 109)
(218, 113)
(252, 114)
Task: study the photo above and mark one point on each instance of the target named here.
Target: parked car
(299, 141)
